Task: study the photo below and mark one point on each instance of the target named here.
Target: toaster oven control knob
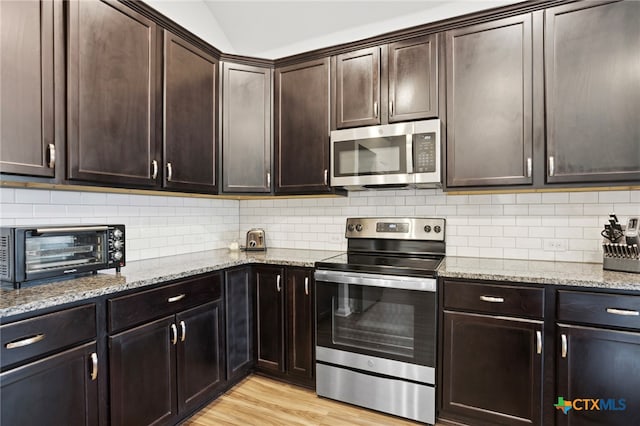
(117, 233)
(350, 227)
(427, 228)
(358, 227)
(117, 244)
(117, 255)
(437, 229)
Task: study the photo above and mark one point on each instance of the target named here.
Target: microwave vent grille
(4, 256)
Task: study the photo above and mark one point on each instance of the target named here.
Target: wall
(155, 225)
(563, 226)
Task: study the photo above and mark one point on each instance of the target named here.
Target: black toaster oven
(32, 253)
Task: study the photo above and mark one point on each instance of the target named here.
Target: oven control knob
(117, 244)
(427, 228)
(117, 255)
(350, 227)
(437, 229)
(117, 233)
(358, 227)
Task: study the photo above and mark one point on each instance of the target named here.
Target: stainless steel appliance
(387, 156)
(256, 240)
(376, 316)
(31, 253)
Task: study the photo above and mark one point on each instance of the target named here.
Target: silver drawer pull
(183, 328)
(174, 334)
(624, 312)
(94, 366)
(176, 298)
(539, 342)
(564, 347)
(492, 299)
(25, 342)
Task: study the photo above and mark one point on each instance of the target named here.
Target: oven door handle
(70, 229)
(375, 280)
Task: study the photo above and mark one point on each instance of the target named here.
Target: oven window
(386, 322)
(374, 156)
(48, 252)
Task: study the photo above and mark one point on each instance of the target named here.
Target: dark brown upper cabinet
(111, 94)
(27, 79)
(357, 83)
(302, 128)
(489, 103)
(591, 55)
(246, 128)
(413, 79)
(190, 105)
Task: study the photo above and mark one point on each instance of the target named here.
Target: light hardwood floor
(261, 401)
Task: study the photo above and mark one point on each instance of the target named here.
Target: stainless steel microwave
(387, 156)
(32, 253)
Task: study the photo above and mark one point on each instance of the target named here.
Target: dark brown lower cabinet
(57, 390)
(284, 323)
(492, 369)
(596, 363)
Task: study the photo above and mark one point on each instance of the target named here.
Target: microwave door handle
(409, 153)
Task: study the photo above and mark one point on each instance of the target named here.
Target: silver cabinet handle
(306, 286)
(538, 342)
(94, 366)
(52, 156)
(278, 287)
(174, 334)
(529, 166)
(492, 299)
(25, 342)
(154, 168)
(391, 108)
(552, 166)
(326, 177)
(375, 109)
(564, 347)
(176, 298)
(169, 171)
(183, 329)
(624, 312)
(268, 179)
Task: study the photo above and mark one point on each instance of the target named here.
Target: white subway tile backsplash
(583, 197)
(32, 196)
(614, 197)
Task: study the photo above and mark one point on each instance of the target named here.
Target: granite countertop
(538, 272)
(144, 273)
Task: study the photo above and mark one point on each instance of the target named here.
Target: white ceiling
(274, 29)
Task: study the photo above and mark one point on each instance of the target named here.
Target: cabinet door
(299, 320)
(26, 78)
(302, 127)
(269, 318)
(239, 314)
(200, 354)
(357, 77)
(142, 375)
(57, 390)
(246, 129)
(489, 103)
(112, 94)
(598, 364)
(492, 369)
(413, 79)
(190, 96)
(592, 90)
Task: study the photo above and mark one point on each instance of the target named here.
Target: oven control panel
(413, 228)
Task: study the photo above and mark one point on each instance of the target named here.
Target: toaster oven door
(58, 251)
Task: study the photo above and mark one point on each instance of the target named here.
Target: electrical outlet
(555, 245)
(336, 238)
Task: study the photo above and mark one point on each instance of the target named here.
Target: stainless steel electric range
(376, 316)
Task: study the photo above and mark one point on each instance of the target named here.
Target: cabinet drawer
(133, 309)
(31, 338)
(494, 299)
(616, 310)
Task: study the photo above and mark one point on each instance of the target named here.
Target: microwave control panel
(424, 152)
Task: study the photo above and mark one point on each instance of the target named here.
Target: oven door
(382, 316)
(50, 252)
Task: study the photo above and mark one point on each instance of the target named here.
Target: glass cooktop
(410, 265)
